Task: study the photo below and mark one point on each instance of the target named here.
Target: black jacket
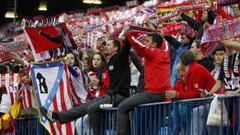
(207, 62)
(119, 72)
(198, 26)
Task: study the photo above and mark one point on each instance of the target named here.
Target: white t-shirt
(5, 103)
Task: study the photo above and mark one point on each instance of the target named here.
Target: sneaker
(48, 114)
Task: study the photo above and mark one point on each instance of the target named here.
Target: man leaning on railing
(194, 78)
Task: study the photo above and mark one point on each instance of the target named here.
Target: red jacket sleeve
(223, 13)
(182, 92)
(179, 87)
(188, 94)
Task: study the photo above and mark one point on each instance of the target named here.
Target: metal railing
(30, 126)
(180, 117)
(109, 120)
(153, 119)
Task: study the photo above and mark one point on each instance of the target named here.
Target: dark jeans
(214, 130)
(75, 112)
(123, 122)
(94, 111)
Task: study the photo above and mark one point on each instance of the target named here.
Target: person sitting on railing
(98, 86)
(197, 79)
(119, 75)
(157, 77)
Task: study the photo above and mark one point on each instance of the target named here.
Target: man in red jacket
(197, 79)
(156, 73)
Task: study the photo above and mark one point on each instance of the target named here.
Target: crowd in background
(133, 63)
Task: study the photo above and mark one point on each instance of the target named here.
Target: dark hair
(103, 43)
(90, 52)
(3, 69)
(191, 39)
(157, 39)
(76, 59)
(116, 43)
(104, 62)
(187, 57)
(219, 48)
(15, 68)
(89, 61)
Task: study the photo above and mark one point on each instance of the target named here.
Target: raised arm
(231, 44)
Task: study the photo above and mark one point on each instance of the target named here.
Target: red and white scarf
(222, 31)
(174, 10)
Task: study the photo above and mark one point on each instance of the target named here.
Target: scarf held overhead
(49, 38)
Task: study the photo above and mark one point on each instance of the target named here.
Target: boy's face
(218, 57)
(181, 72)
(94, 80)
(184, 39)
(85, 65)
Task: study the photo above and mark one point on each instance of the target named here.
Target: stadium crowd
(125, 57)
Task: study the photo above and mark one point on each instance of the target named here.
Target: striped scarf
(222, 31)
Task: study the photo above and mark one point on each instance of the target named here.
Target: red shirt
(179, 86)
(196, 78)
(105, 83)
(156, 66)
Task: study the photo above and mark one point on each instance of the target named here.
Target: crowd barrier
(30, 126)
(180, 117)
(191, 116)
(109, 119)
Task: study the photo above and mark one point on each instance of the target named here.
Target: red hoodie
(196, 78)
(156, 66)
